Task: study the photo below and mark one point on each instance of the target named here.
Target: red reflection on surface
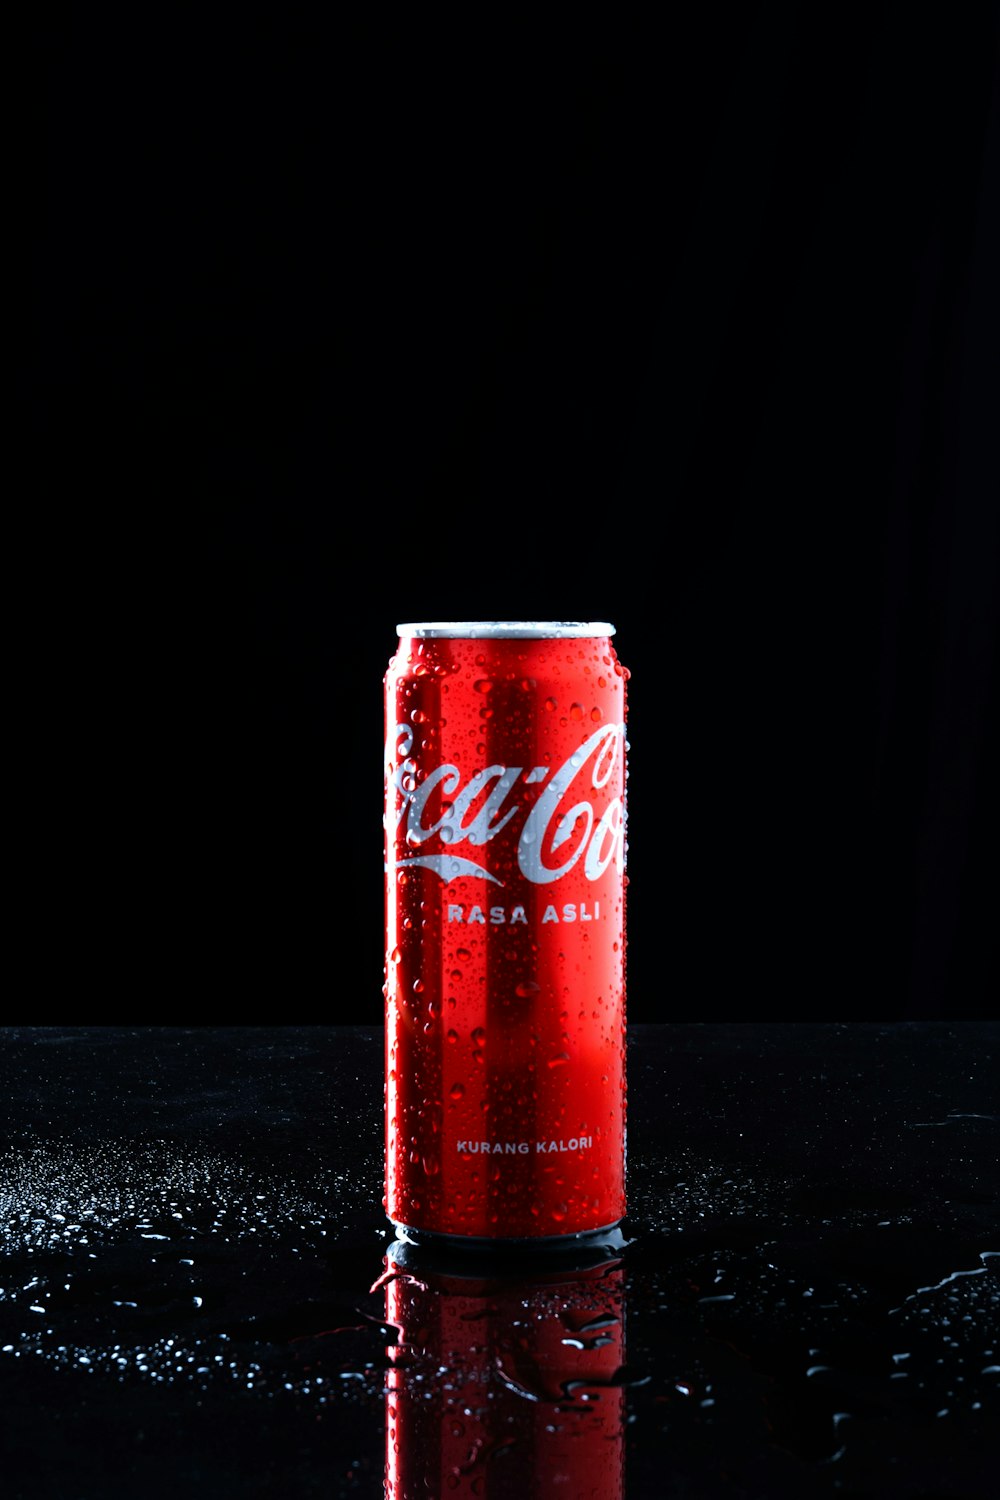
(505, 1385)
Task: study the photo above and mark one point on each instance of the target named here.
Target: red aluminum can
(505, 932)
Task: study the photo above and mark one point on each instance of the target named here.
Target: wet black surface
(195, 1296)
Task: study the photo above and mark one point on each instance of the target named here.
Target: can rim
(507, 629)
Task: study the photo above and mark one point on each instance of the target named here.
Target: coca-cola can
(505, 843)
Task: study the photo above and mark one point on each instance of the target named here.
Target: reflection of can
(505, 897)
(505, 1385)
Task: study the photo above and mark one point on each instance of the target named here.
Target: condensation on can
(505, 823)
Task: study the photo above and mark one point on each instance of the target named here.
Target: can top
(508, 629)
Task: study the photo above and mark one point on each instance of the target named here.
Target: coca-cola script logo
(485, 800)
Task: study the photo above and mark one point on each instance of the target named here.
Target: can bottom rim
(478, 1256)
(607, 1236)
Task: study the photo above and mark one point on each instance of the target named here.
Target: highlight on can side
(505, 845)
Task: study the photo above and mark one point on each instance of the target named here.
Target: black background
(686, 322)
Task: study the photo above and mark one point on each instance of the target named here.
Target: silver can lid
(507, 629)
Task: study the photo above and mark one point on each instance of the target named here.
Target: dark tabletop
(196, 1297)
